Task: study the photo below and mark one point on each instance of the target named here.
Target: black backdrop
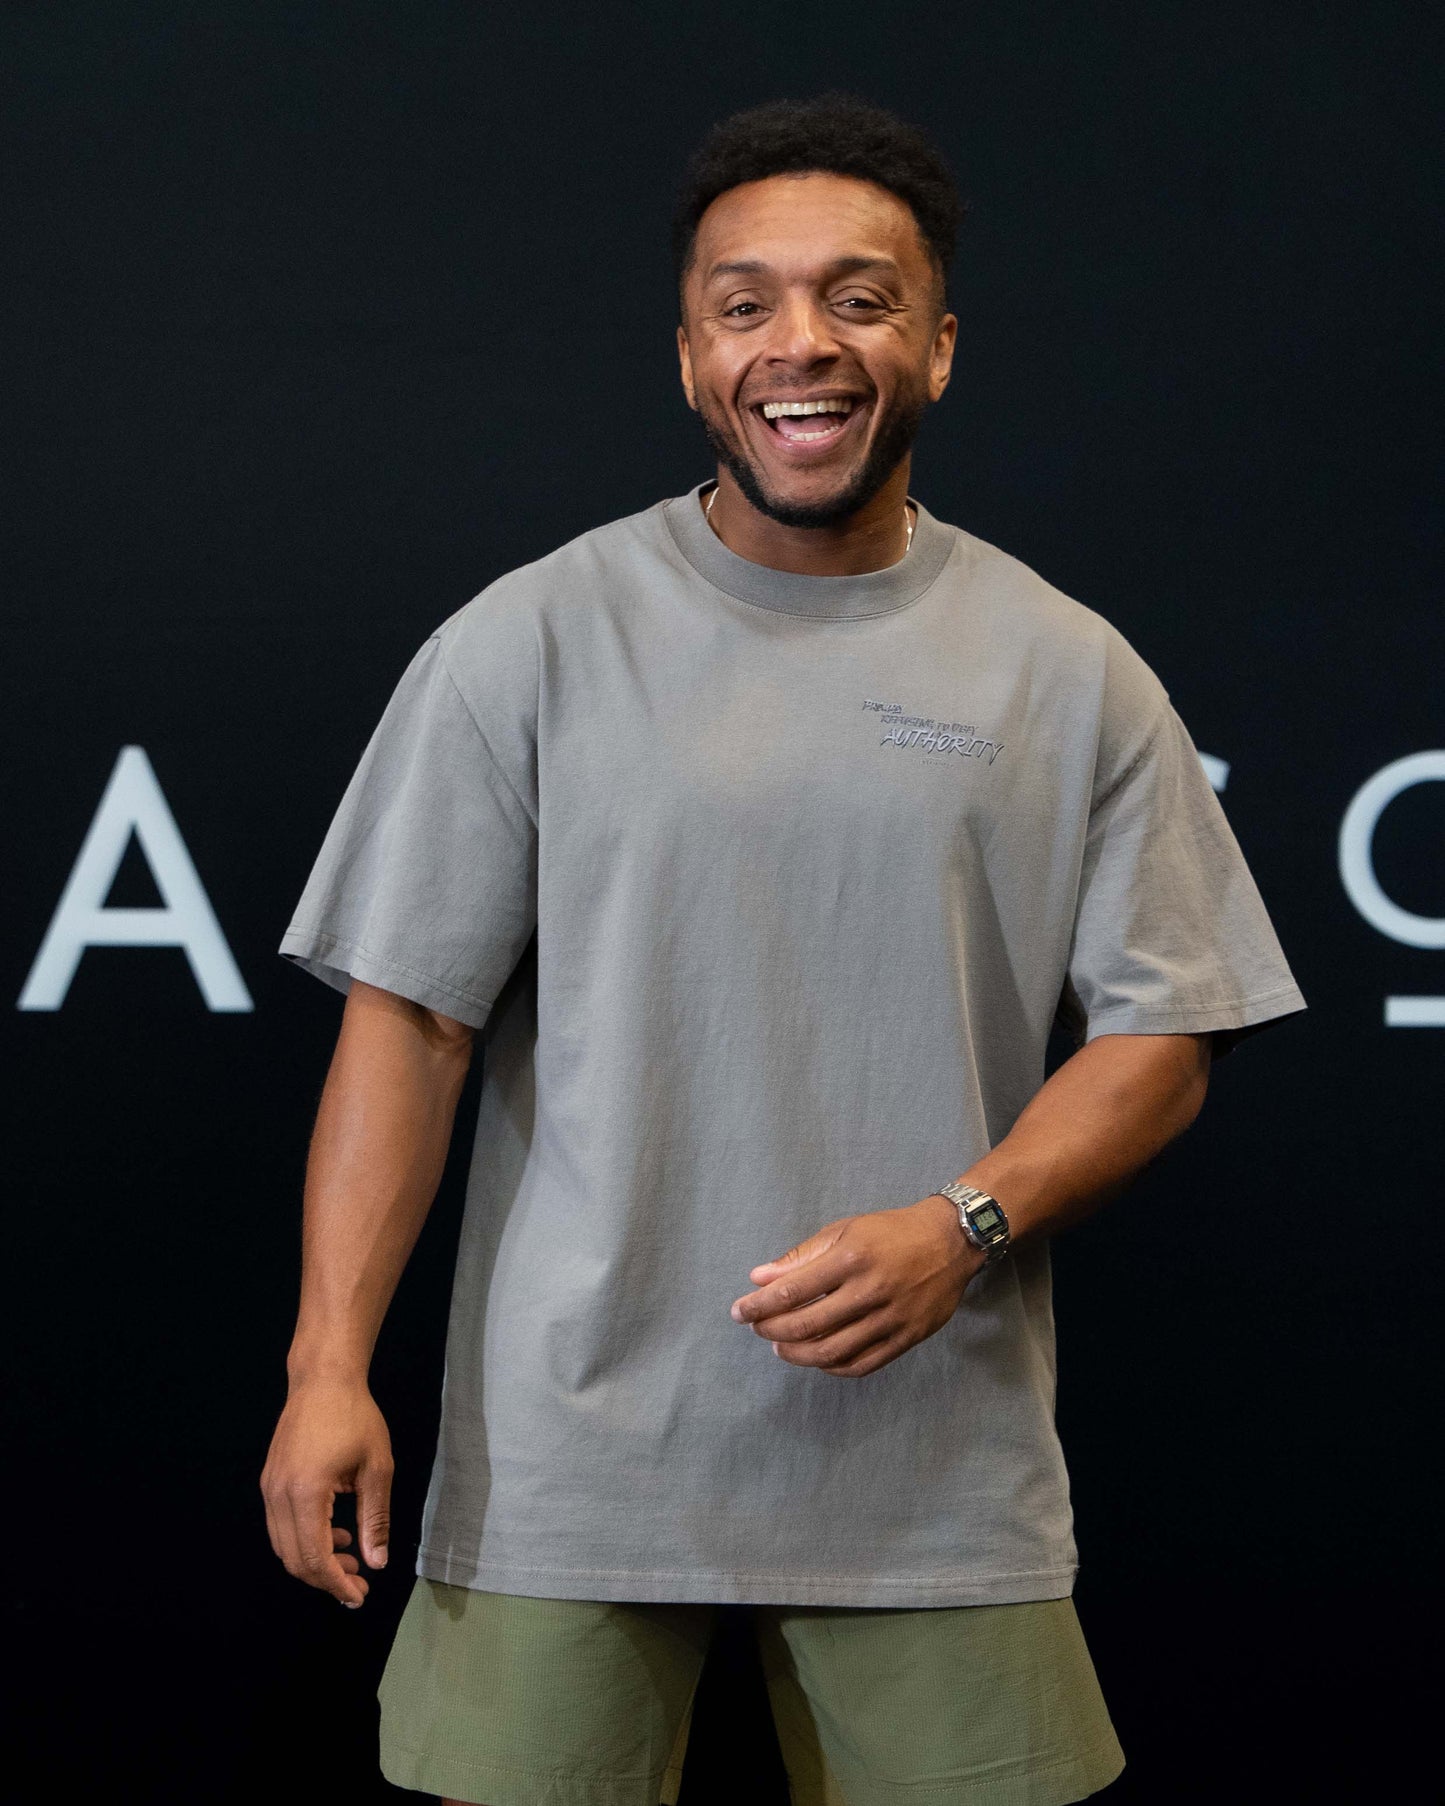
(318, 318)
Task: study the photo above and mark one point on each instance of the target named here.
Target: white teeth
(841, 404)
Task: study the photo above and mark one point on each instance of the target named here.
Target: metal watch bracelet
(981, 1218)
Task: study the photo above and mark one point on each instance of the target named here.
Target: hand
(331, 1439)
(863, 1289)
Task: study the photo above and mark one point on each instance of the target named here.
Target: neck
(870, 540)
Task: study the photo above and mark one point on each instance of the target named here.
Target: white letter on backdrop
(133, 802)
(1357, 865)
(1357, 873)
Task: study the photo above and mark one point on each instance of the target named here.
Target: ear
(684, 358)
(940, 361)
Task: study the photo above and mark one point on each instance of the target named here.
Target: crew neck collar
(835, 598)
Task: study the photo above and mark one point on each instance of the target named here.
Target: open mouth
(811, 423)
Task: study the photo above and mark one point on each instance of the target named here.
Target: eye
(861, 303)
(738, 306)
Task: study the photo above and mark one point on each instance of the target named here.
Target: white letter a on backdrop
(134, 803)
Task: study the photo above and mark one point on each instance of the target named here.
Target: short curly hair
(834, 133)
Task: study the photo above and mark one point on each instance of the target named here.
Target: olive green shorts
(510, 1701)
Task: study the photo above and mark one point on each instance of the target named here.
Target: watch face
(986, 1218)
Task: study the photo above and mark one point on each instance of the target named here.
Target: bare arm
(865, 1288)
(376, 1158)
(1101, 1118)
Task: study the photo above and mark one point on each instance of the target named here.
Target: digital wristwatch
(981, 1219)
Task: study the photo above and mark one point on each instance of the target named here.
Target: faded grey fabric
(764, 891)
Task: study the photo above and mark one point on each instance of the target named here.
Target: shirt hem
(696, 1586)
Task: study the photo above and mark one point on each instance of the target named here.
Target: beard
(891, 445)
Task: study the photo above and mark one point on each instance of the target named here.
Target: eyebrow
(840, 266)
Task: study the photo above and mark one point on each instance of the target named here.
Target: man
(761, 837)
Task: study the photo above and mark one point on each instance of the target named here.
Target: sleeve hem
(1196, 1019)
(336, 962)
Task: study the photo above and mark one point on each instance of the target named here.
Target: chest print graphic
(926, 735)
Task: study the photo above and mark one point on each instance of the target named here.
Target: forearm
(1096, 1123)
(376, 1158)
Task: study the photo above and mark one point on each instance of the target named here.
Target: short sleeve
(426, 881)
(1171, 935)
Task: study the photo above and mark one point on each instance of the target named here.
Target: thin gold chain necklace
(907, 521)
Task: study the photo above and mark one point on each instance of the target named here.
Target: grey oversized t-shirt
(764, 892)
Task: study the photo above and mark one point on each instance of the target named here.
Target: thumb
(373, 1514)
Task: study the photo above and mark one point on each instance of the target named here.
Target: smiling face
(812, 341)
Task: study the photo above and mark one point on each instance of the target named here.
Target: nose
(802, 333)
